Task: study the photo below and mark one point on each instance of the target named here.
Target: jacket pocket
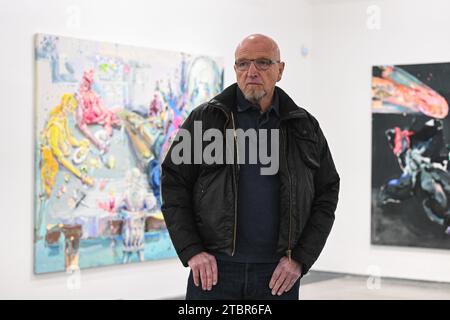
(197, 195)
(205, 186)
(308, 148)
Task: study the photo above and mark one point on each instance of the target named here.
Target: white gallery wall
(332, 81)
(346, 42)
(196, 26)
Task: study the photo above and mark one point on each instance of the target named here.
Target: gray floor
(318, 276)
(336, 286)
(331, 286)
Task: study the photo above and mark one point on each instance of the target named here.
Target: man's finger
(276, 274)
(208, 269)
(278, 283)
(215, 272)
(291, 285)
(203, 276)
(284, 286)
(195, 275)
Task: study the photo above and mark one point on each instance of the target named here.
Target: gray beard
(254, 96)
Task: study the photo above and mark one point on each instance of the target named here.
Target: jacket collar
(227, 101)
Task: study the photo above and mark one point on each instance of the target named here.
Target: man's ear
(280, 70)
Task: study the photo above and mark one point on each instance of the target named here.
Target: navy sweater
(258, 195)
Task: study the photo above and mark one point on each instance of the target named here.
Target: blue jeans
(241, 281)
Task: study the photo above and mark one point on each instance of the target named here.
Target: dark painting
(410, 155)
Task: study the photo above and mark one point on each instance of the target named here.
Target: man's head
(257, 78)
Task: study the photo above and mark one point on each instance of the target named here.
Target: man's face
(254, 83)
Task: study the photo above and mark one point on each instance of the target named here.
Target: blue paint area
(101, 252)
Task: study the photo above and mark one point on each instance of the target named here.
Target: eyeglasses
(260, 64)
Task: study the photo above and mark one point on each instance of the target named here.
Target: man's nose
(252, 70)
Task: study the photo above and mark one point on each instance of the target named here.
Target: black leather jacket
(200, 200)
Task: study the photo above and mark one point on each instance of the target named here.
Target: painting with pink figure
(105, 116)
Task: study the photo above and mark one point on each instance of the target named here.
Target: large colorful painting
(410, 160)
(106, 115)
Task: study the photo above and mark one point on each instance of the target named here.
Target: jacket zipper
(288, 251)
(235, 185)
(234, 177)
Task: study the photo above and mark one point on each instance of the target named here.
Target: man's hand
(285, 275)
(204, 270)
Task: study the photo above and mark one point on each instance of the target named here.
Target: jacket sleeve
(321, 219)
(177, 183)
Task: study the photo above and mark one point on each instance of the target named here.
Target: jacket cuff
(189, 252)
(304, 261)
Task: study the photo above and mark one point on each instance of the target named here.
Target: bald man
(245, 230)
